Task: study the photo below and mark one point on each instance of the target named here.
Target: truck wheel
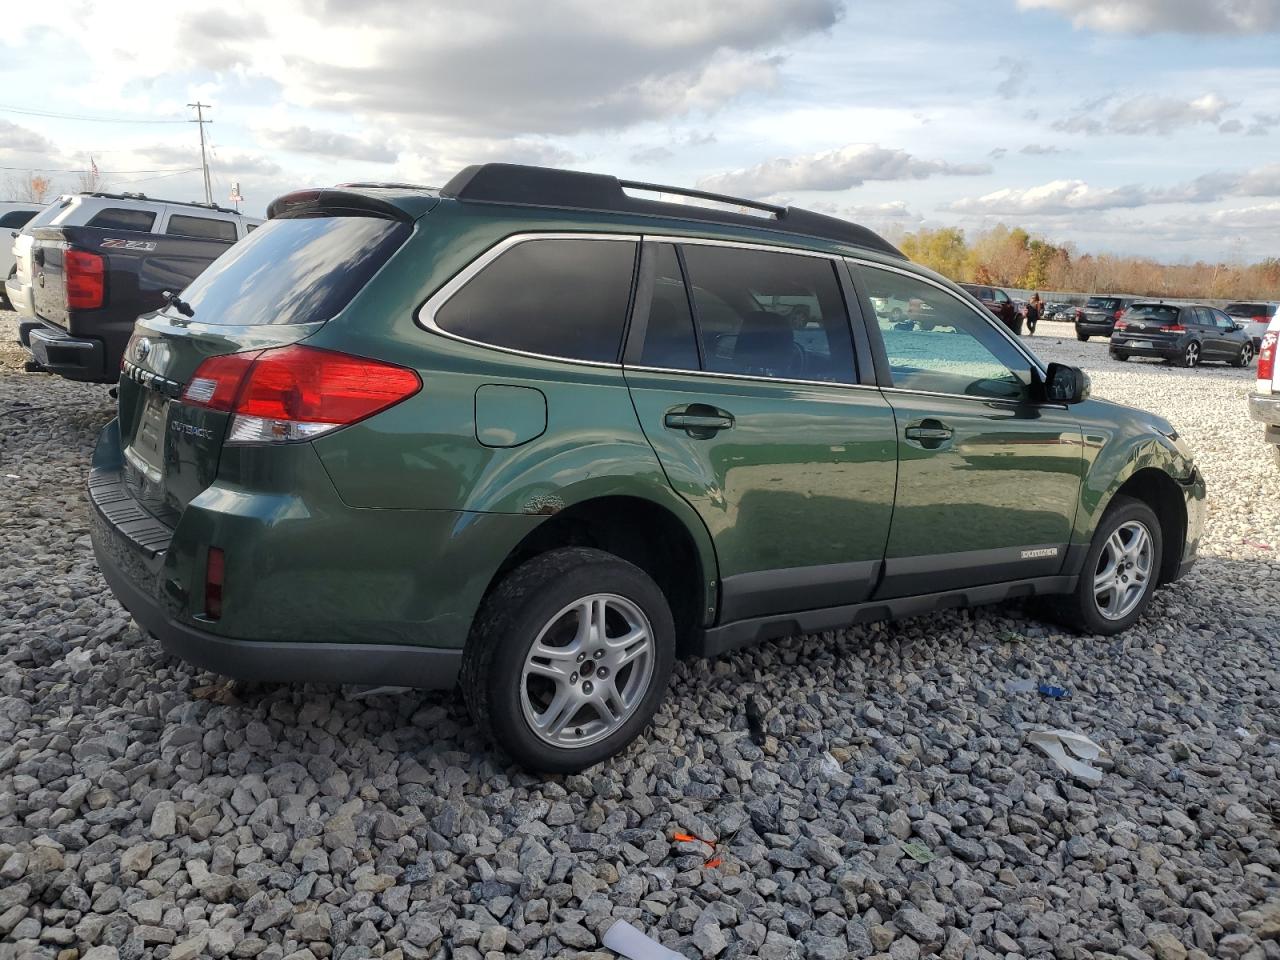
(1119, 573)
(568, 659)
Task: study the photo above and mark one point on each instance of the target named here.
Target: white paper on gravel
(1055, 744)
(625, 939)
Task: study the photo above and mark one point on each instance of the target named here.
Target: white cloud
(18, 139)
(479, 69)
(1042, 149)
(328, 143)
(1147, 114)
(1166, 16)
(1015, 72)
(839, 169)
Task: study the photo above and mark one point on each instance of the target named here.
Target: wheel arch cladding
(643, 532)
(1160, 492)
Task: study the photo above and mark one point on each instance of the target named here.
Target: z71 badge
(129, 244)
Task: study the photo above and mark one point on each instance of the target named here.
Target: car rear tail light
(296, 392)
(1118, 312)
(1267, 355)
(1175, 328)
(214, 574)
(85, 276)
(1120, 325)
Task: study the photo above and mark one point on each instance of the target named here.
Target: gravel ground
(147, 810)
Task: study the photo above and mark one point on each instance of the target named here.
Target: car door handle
(698, 420)
(929, 434)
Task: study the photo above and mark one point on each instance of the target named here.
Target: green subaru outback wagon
(538, 433)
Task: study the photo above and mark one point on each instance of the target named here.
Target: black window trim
(426, 315)
(881, 357)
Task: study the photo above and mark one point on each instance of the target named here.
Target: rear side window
(16, 218)
(119, 218)
(769, 314)
(669, 339)
(556, 298)
(294, 270)
(201, 228)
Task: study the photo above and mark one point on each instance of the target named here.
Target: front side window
(946, 346)
(555, 297)
(761, 313)
(201, 228)
(121, 218)
(17, 218)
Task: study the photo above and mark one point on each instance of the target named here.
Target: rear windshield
(1250, 310)
(1103, 303)
(1154, 312)
(294, 270)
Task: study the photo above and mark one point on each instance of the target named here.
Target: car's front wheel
(568, 659)
(1119, 573)
(1245, 357)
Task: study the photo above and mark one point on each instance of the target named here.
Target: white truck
(1264, 402)
(14, 215)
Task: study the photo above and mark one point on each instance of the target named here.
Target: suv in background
(998, 302)
(1185, 334)
(1098, 316)
(538, 433)
(91, 264)
(1254, 317)
(1264, 402)
(14, 215)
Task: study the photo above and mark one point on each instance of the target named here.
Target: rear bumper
(76, 358)
(1165, 350)
(1093, 329)
(1265, 408)
(362, 663)
(19, 296)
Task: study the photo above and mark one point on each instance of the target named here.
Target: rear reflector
(1267, 357)
(85, 276)
(214, 575)
(296, 392)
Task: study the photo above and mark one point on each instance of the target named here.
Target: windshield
(1103, 303)
(1156, 312)
(294, 270)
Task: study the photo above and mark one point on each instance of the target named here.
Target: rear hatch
(186, 364)
(1151, 322)
(1101, 310)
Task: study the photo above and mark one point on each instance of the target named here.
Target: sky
(1147, 127)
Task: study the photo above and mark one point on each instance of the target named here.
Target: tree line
(1012, 257)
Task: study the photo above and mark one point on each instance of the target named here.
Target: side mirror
(1065, 384)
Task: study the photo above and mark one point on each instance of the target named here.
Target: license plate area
(146, 451)
(1140, 344)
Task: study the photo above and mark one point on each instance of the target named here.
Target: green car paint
(389, 531)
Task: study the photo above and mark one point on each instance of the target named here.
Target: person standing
(1035, 306)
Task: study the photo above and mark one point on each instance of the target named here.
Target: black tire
(1082, 337)
(509, 621)
(1080, 610)
(1244, 357)
(1191, 355)
(1122, 357)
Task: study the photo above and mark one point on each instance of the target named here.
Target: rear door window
(767, 314)
(201, 228)
(294, 270)
(16, 218)
(120, 218)
(670, 341)
(562, 298)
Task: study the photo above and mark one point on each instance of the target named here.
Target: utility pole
(204, 159)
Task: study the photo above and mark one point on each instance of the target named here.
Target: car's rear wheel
(1245, 358)
(1191, 355)
(1082, 337)
(568, 659)
(1119, 356)
(1119, 573)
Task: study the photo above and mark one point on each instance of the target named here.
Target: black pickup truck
(89, 284)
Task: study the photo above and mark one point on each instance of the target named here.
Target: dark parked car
(998, 302)
(1254, 317)
(1185, 334)
(536, 436)
(1098, 316)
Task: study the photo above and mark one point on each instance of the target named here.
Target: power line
(86, 170)
(5, 108)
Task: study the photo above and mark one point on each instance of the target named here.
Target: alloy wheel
(1192, 356)
(587, 671)
(1246, 355)
(1123, 574)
